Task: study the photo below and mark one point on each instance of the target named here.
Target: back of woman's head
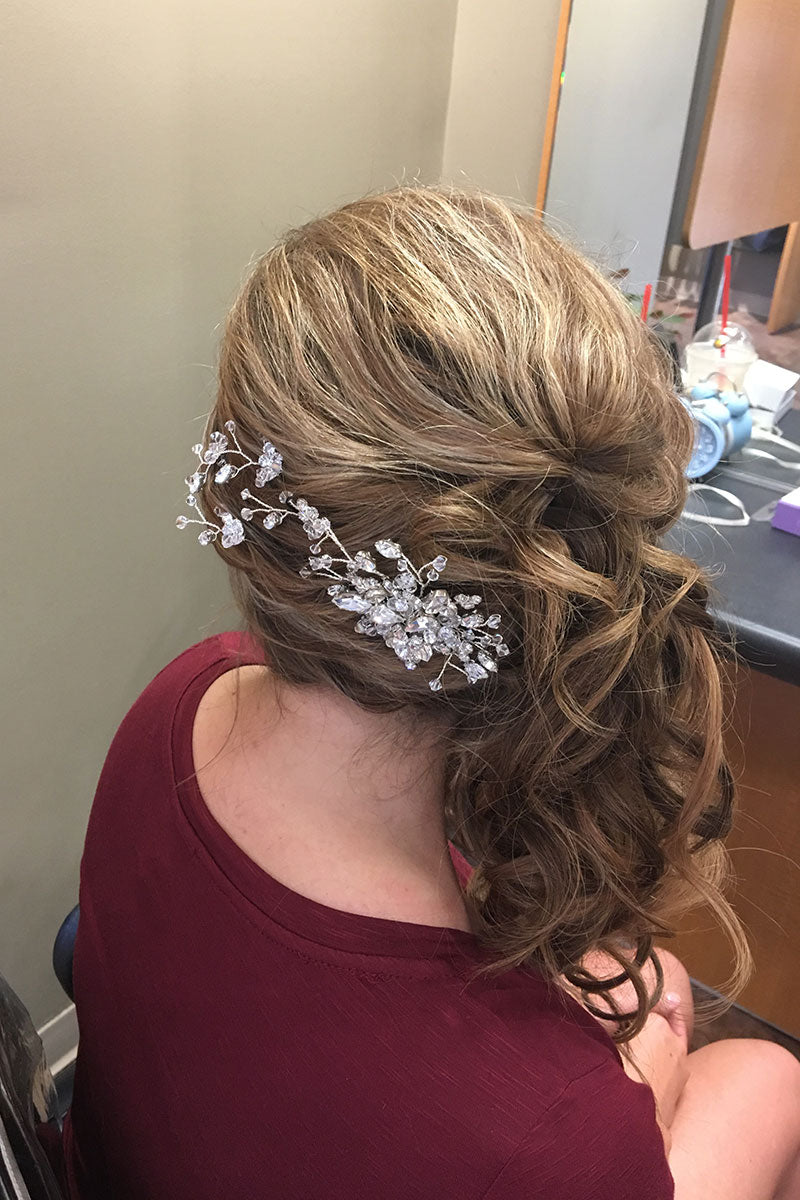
(439, 369)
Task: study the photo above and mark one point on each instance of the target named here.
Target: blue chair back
(64, 950)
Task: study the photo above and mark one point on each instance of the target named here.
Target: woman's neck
(340, 804)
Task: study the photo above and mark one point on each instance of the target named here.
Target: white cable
(770, 436)
(706, 519)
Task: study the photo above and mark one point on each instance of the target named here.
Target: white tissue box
(770, 390)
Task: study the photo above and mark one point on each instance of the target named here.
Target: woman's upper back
(240, 1039)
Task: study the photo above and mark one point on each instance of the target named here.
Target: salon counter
(756, 599)
(755, 568)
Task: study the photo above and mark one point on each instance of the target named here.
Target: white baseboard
(60, 1040)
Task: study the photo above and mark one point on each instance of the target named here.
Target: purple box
(787, 513)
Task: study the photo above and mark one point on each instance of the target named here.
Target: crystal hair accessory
(414, 619)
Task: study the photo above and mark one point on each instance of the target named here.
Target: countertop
(755, 569)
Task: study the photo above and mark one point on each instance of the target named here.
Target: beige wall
(148, 151)
(502, 62)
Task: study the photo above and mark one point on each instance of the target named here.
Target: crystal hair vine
(413, 618)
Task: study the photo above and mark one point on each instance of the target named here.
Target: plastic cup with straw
(721, 347)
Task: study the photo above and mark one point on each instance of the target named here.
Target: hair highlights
(438, 366)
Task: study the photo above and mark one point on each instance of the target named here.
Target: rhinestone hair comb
(415, 619)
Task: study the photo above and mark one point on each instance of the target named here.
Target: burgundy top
(239, 1040)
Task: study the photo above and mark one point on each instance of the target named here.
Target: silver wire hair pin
(414, 619)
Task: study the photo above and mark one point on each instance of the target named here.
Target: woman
(440, 461)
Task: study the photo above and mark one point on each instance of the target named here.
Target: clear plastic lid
(732, 336)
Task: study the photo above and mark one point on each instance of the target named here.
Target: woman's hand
(669, 1008)
(603, 966)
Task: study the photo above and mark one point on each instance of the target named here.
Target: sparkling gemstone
(363, 625)
(224, 473)
(246, 494)
(473, 621)
(474, 671)
(363, 561)
(317, 527)
(193, 482)
(384, 617)
(305, 572)
(181, 522)
(447, 637)
(375, 595)
(494, 620)
(230, 426)
(284, 496)
(486, 660)
(205, 537)
(397, 640)
(306, 510)
(432, 576)
(270, 462)
(197, 449)
(405, 581)
(232, 532)
(435, 684)
(323, 563)
(410, 664)
(217, 445)
(352, 603)
(423, 624)
(388, 549)
(191, 501)
(418, 650)
(436, 601)
(247, 514)
(439, 563)
(335, 589)
(271, 520)
(464, 651)
(468, 601)
(399, 604)
(501, 649)
(315, 549)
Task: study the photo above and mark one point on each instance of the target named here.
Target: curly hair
(438, 367)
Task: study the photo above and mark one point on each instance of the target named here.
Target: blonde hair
(439, 368)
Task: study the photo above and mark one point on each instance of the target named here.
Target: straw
(648, 291)
(726, 296)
